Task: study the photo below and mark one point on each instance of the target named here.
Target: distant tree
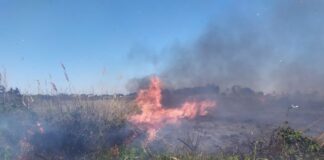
(2, 89)
(14, 92)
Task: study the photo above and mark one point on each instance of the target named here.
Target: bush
(287, 143)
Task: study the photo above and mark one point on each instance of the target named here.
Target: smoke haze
(272, 47)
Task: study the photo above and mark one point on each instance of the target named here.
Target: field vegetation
(50, 127)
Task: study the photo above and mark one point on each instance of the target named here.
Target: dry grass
(81, 126)
(109, 109)
(320, 139)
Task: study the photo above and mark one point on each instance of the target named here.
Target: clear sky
(104, 43)
(91, 37)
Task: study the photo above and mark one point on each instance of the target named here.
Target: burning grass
(154, 116)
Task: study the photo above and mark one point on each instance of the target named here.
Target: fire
(154, 116)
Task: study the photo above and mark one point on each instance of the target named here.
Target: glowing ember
(154, 115)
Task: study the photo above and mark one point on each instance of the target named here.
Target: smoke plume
(271, 47)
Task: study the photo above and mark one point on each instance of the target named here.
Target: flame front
(154, 115)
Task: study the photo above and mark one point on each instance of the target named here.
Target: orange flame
(154, 115)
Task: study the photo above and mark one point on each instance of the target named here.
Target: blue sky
(129, 39)
(90, 36)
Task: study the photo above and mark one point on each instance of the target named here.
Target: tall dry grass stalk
(54, 88)
(3, 78)
(38, 87)
(65, 73)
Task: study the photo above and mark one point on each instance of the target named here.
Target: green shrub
(288, 143)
